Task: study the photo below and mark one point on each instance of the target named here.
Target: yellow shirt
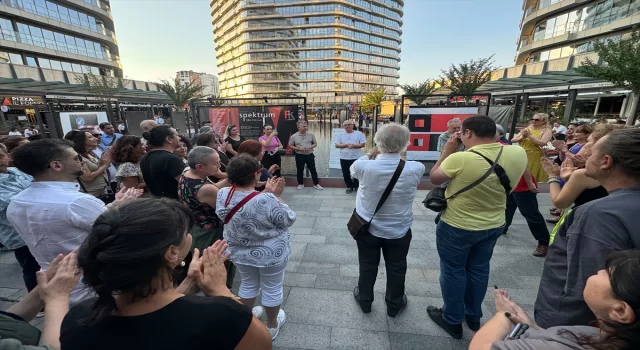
(482, 207)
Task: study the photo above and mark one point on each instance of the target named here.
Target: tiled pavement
(323, 270)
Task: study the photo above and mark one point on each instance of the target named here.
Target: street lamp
(347, 106)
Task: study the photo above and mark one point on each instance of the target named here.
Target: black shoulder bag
(436, 199)
(108, 197)
(359, 227)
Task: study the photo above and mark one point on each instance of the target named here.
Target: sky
(157, 38)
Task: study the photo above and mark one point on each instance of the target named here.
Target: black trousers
(310, 161)
(527, 202)
(345, 164)
(395, 257)
(269, 160)
(29, 267)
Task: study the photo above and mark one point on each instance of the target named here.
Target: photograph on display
(82, 120)
(427, 124)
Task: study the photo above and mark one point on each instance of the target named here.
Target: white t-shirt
(355, 138)
(28, 132)
(561, 129)
(15, 133)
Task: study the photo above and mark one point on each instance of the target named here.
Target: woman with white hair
(390, 228)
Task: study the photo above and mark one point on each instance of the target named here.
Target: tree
(622, 58)
(373, 99)
(180, 93)
(216, 100)
(467, 77)
(103, 87)
(417, 91)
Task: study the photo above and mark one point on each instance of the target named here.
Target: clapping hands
(275, 185)
(550, 168)
(57, 282)
(504, 304)
(208, 270)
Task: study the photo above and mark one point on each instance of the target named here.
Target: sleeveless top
(206, 217)
(530, 146)
(590, 195)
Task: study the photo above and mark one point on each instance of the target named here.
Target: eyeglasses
(536, 120)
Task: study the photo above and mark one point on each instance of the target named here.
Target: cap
(500, 129)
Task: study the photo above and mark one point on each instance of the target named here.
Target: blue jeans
(464, 270)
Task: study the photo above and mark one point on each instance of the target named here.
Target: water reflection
(323, 132)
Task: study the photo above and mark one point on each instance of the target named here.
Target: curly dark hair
(187, 142)
(124, 150)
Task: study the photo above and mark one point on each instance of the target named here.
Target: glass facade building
(61, 35)
(323, 51)
(553, 29)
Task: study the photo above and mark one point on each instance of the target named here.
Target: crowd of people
(134, 242)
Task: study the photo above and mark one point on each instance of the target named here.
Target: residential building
(329, 51)
(209, 82)
(556, 37)
(59, 35)
(552, 29)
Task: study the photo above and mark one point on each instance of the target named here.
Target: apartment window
(31, 61)
(15, 58)
(66, 66)
(76, 68)
(56, 64)
(44, 63)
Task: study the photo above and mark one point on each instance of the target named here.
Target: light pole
(347, 107)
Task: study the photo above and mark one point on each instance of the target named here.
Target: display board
(427, 124)
(76, 120)
(251, 119)
(334, 156)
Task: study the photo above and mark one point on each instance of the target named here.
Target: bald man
(148, 124)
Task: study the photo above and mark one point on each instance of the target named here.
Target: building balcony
(544, 8)
(27, 43)
(93, 7)
(41, 16)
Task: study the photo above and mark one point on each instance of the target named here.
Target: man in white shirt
(390, 230)
(350, 144)
(52, 216)
(559, 131)
(28, 132)
(14, 132)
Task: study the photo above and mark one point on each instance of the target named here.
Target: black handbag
(436, 199)
(359, 227)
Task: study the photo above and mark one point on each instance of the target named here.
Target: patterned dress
(208, 227)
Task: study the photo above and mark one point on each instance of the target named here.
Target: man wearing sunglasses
(59, 216)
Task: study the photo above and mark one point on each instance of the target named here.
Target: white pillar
(595, 113)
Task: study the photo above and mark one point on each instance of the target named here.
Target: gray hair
(199, 155)
(205, 129)
(392, 138)
(148, 124)
(454, 120)
(300, 123)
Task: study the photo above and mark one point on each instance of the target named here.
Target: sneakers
(300, 187)
(258, 311)
(454, 330)
(281, 319)
(318, 187)
(541, 251)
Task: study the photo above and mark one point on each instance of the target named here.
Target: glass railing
(55, 15)
(29, 39)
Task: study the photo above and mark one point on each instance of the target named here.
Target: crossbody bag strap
(387, 191)
(81, 184)
(482, 178)
(239, 205)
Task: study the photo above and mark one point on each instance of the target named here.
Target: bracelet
(553, 180)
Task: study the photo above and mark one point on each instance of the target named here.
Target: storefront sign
(22, 101)
(592, 85)
(550, 88)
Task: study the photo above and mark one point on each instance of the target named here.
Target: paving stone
(333, 254)
(308, 238)
(305, 336)
(404, 341)
(348, 338)
(295, 279)
(333, 308)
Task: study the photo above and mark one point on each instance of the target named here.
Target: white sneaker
(40, 314)
(281, 319)
(318, 187)
(300, 187)
(258, 311)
